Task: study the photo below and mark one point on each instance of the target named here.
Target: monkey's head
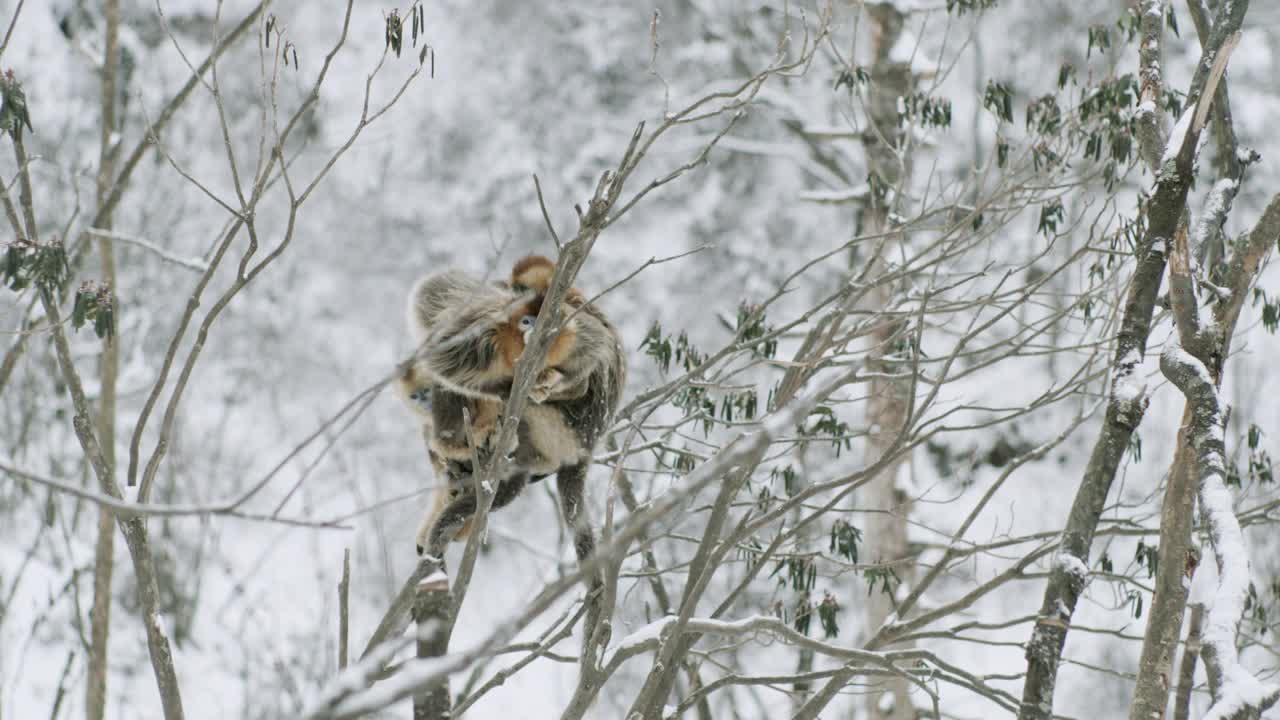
(534, 273)
(513, 334)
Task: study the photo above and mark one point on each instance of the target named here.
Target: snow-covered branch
(1237, 693)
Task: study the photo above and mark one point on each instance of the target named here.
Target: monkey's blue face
(422, 396)
(526, 326)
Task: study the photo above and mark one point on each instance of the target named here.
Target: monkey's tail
(571, 482)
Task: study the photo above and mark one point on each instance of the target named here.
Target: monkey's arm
(458, 323)
(596, 349)
(464, 352)
(433, 299)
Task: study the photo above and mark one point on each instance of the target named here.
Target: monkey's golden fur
(476, 334)
(573, 402)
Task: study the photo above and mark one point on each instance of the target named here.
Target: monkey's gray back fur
(457, 315)
(436, 294)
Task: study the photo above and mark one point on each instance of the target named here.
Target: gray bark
(431, 604)
(1187, 670)
(1177, 560)
(887, 410)
(1124, 412)
(144, 567)
(104, 549)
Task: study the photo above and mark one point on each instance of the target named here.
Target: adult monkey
(471, 358)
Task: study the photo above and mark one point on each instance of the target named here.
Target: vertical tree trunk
(1176, 562)
(431, 604)
(104, 550)
(886, 526)
(144, 567)
(1187, 670)
(1125, 407)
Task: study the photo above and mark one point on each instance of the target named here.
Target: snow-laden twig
(649, 637)
(189, 263)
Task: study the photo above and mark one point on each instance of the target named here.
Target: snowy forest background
(876, 217)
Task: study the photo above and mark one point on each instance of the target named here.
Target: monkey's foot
(420, 542)
(546, 384)
(459, 473)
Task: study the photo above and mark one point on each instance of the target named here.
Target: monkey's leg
(571, 483)
(438, 503)
(441, 469)
(455, 515)
(508, 490)
(455, 520)
(484, 418)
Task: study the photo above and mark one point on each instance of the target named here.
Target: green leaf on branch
(999, 100)
(13, 106)
(844, 540)
(93, 303)
(827, 610)
(27, 263)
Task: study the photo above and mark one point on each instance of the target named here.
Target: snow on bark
(434, 578)
(1239, 693)
(1239, 689)
(1215, 205)
(1073, 565)
(650, 633)
(1128, 385)
(1178, 134)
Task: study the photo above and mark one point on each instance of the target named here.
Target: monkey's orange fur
(510, 340)
(535, 272)
(577, 354)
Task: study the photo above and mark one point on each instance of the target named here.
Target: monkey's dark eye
(526, 322)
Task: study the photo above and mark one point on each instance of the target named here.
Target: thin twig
(344, 600)
(546, 217)
(13, 22)
(189, 263)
